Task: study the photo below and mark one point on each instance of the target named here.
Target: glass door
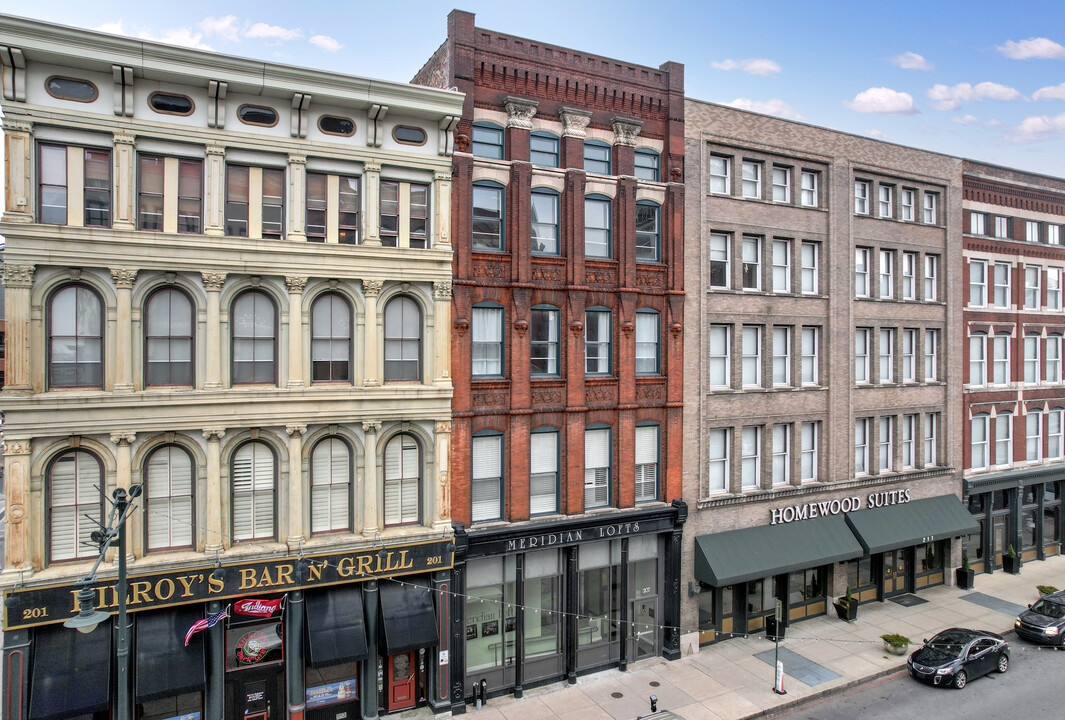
(644, 641)
(896, 572)
(1000, 540)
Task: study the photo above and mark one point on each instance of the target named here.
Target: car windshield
(1049, 608)
(949, 642)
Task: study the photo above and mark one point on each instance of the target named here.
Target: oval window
(257, 115)
(408, 135)
(334, 125)
(171, 104)
(71, 89)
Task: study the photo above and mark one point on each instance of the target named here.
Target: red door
(401, 690)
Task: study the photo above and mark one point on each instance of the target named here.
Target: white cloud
(752, 66)
(183, 37)
(224, 27)
(911, 61)
(325, 43)
(1037, 127)
(272, 32)
(968, 119)
(1051, 92)
(874, 133)
(883, 101)
(115, 28)
(1036, 47)
(769, 107)
(946, 97)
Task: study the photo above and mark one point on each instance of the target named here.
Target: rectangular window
(190, 197)
(1000, 359)
(419, 217)
(597, 158)
(1031, 359)
(752, 179)
(887, 355)
(543, 473)
(720, 269)
(647, 463)
(977, 283)
(1053, 360)
(1002, 227)
(543, 150)
(544, 214)
(52, 184)
(1004, 439)
(487, 222)
(909, 276)
(977, 223)
(979, 456)
(752, 356)
(810, 252)
(810, 343)
(861, 197)
(977, 360)
(647, 232)
(886, 449)
(254, 193)
(646, 164)
(809, 189)
(781, 356)
(332, 212)
(861, 272)
(781, 266)
(487, 141)
(809, 452)
(718, 456)
(1032, 274)
(543, 341)
(781, 184)
(486, 487)
(238, 198)
(1054, 234)
(1001, 279)
(909, 430)
(885, 204)
(887, 274)
(861, 446)
(1033, 445)
(647, 333)
(720, 375)
(931, 268)
(931, 421)
(906, 200)
(1031, 231)
(273, 203)
(781, 454)
(596, 227)
(597, 342)
(486, 336)
(97, 178)
(909, 350)
(751, 457)
(931, 352)
(150, 193)
(752, 263)
(1054, 438)
(596, 468)
(861, 355)
(720, 175)
(1053, 288)
(929, 208)
(317, 210)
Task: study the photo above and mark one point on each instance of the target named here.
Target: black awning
(336, 630)
(71, 672)
(165, 667)
(407, 617)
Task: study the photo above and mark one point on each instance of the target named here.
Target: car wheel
(960, 680)
(1003, 663)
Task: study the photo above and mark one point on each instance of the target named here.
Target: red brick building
(568, 297)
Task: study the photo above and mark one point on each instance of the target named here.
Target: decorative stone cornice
(371, 427)
(520, 112)
(297, 159)
(16, 447)
(17, 275)
(575, 122)
(124, 277)
(16, 125)
(626, 130)
(443, 426)
(125, 138)
(295, 430)
(215, 149)
(442, 290)
(371, 166)
(213, 281)
(215, 434)
(295, 284)
(371, 288)
(123, 438)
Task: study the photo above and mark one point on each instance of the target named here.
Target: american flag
(207, 622)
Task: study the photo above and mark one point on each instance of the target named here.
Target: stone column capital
(124, 277)
(213, 281)
(575, 122)
(520, 112)
(371, 288)
(441, 175)
(215, 434)
(125, 138)
(295, 284)
(626, 130)
(12, 124)
(443, 426)
(371, 166)
(297, 159)
(16, 447)
(213, 149)
(371, 427)
(123, 439)
(442, 290)
(17, 275)
(296, 430)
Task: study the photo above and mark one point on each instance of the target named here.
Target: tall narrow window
(887, 355)
(596, 468)
(781, 266)
(909, 276)
(977, 283)
(781, 454)
(861, 272)
(647, 335)
(909, 429)
(1054, 288)
(978, 432)
(931, 267)
(597, 227)
(931, 355)
(1053, 359)
(929, 208)
(909, 360)
(1034, 436)
(190, 196)
(486, 335)
(419, 216)
(810, 252)
(861, 355)
(348, 211)
(273, 203)
(331, 486)
(720, 175)
(719, 361)
(75, 338)
(718, 457)
(543, 472)
(752, 356)
(1032, 276)
(809, 189)
(388, 212)
(543, 340)
(887, 453)
(861, 446)
(978, 359)
(168, 510)
(168, 338)
(1054, 435)
(597, 342)
(403, 480)
(75, 505)
(97, 188)
(752, 180)
(885, 201)
(317, 207)
(906, 203)
(52, 185)
(810, 347)
(1001, 279)
(150, 193)
(781, 184)
(751, 457)
(1000, 359)
(646, 463)
(931, 421)
(237, 200)
(861, 197)
(781, 356)
(487, 217)
(544, 215)
(647, 232)
(720, 268)
(887, 274)
(1004, 439)
(752, 263)
(1031, 358)
(403, 339)
(331, 349)
(809, 452)
(254, 321)
(253, 481)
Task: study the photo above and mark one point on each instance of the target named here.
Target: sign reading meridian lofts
(822, 508)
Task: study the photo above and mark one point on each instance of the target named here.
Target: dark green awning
(735, 556)
(913, 523)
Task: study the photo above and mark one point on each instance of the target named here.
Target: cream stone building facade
(228, 281)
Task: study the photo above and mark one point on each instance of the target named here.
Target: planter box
(896, 649)
(1012, 565)
(964, 579)
(846, 610)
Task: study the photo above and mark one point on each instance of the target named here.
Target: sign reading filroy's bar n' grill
(55, 603)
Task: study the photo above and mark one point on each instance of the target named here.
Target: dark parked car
(956, 656)
(1044, 622)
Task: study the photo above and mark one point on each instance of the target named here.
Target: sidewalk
(734, 679)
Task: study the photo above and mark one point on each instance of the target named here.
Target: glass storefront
(544, 619)
(645, 640)
(806, 593)
(599, 604)
(1026, 516)
(860, 579)
(930, 563)
(490, 621)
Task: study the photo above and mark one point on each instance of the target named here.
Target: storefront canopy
(408, 619)
(71, 672)
(336, 630)
(913, 523)
(165, 667)
(735, 556)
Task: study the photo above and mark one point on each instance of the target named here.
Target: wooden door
(402, 688)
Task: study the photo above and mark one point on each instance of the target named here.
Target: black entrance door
(256, 694)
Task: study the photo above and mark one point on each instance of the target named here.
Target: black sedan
(956, 656)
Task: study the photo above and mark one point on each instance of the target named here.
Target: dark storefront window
(1029, 535)
(860, 579)
(544, 619)
(806, 593)
(1051, 518)
(707, 620)
(599, 603)
(490, 621)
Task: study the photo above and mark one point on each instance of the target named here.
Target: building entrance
(256, 694)
(896, 572)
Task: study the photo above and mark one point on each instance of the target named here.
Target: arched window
(75, 338)
(330, 486)
(330, 339)
(544, 213)
(403, 339)
(253, 480)
(403, 464)
(75, 502)
(597, 230)
(647, 338)
(254, 321)
(168, 478)
(168, 338)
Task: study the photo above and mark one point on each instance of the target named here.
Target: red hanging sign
(258, 608)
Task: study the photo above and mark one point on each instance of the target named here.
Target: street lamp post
(88, 616)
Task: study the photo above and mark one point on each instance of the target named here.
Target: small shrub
(895, 640)
(1046, 589)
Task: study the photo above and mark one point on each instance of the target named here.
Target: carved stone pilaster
(17, 276)
(520, 112)
(213, 281)
(371, 427)
(371, 166)
(443, 426)
(17, 125)
(124, 277)
(295, 284)
(16, 447)
(124, 138)
(294, 430)
(626, 130)
(442, 290)
(371, 288)
(575, 122)
(213, 433)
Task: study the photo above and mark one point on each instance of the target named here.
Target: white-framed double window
(1031, 231)
(809, 189)
(782, 184)
(720, 175)
(1032, 276)
(1002, 227)
(931, 269)
(781, 356)
(979, 459)
(717, 476)
(931, 355)
(861, 197)
(1053, 234)
(811, 341)
(1033, 436)
(720, 266)
(861, 446)
(781, 265)
(977, 283)
(781, 453)
(719, 356)
(929, 208)
(885, 444)
(751, 457)
(978, 359)
(1004, 439)
(909, 276)
(906, 200)
(752, 356)
(887, 274)
(887, 355)
(1001, 279)
(1053, 358)
(752, 179)
(861, 355)
(861, 272)
(1000, 359)
(809, 267)
(885, 205)
(1054, 435)
(977, 223)
(1031, 359)
(808, 462)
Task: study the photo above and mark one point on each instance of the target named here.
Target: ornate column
(369, 479)
(213, 502)
(125, 182)
(442, 226)
(18, 149)
(124, 478)
(371, 177)
(625, 132)
(214, 191)
(442, 515)
(124, 279)
(18, 279)
(370, 290)
(297, 194)
(520, 113)
(213, 282)
(295, 485)
(574, 131)
(18, 533)
(295, 287)
(442, 332)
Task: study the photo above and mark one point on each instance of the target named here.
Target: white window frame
(717, 240)
(808, 463)
(809, 189)
(1031, 359)
(751, 457)
(929, 208)
(597, 467)
(751, 179)
(721, 175)
(781, 453)
(886, 355)
(906, 441)
(753, 259)
(861, 197)
(1055, 447)
(977, 223)
(1031, 231)
(861, 446)
(885, 206)
(979, 436)
(781, 265)
(1033, 436)
(810, 253)
(1032, 295)
(931, 355)
(862, 258)
(484, 320)
(909, 355)
(886, 444)
(781, 356)
(1001, 275)
(719, 356)
(543, 472)
(781, 184)
(647, 459)
(1004, 439)
(1000, 359)
(931, 286)
(861, 355)
(977, 283)
(1052, 362)
(486, 478)
(1053, 288)
(909, 276)
(1002, 227)
(931, 447)
(1053, 234)
(751, 361)
(887, 274)
(978, 359)
(906, 200)
(718, 447)
(811, 341)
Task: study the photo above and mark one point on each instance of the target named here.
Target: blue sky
(977, 79)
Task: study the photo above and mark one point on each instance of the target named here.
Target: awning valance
(336, 629)
(165, 667)
(71, 672)
(913, 523)
(408, 619)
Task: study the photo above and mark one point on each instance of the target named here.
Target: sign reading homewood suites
(54, 604)
(821, 508)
